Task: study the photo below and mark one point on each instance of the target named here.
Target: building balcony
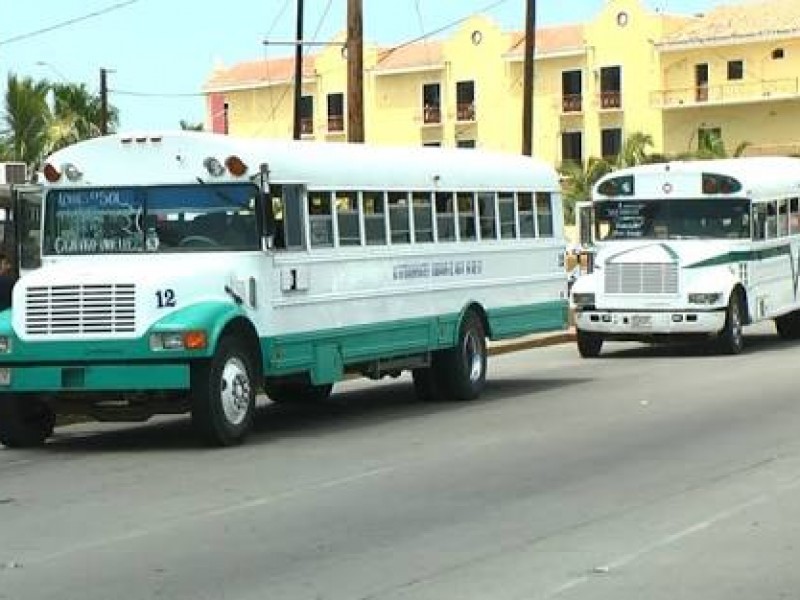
(740, 92)
(610, 100)
(306, 126)
(465, 111)
(431, 115)
(571, 103)
(335, 123)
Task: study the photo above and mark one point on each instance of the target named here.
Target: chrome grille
(641, 278)
(80, 309)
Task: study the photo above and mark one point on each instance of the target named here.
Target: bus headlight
(583, 300)
(705, 298)
(5, 344)
(178, 340)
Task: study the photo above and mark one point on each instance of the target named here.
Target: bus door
(26, 206)
(585, 221)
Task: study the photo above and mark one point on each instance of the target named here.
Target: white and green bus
(692, 250)
(184, 271)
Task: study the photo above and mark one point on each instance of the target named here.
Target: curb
(505, 347)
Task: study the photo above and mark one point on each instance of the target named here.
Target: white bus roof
(177, 157)
(760, 176)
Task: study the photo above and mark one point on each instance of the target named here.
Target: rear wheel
(589, 344)
(788, 326)
(460, 372)
(296, 389)
(25, 421)
(731, 338)
(223, 394)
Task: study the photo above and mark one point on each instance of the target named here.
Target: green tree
(711, 145)
(77, 115)
(634, 150)
(577, 180)
(25, 120)
(187, 126)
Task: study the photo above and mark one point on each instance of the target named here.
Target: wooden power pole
(298, 73)
(527, 85)
(103, 101)
(355, 71)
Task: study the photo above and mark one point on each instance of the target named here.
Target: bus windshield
(696, 218)
(181, 218)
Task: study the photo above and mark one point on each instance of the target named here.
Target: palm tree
(634, 150)
(25, 121)
(711, 145)
(577, 180)
(77, 114)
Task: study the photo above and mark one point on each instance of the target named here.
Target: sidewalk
(536, 340)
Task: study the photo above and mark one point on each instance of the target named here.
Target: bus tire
(296, 389)
(731, 337)
(461, 371)
(589, 344)
(788, 326)
(25, 421)
(223, 394)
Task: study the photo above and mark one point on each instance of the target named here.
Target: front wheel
(223, 394)
(589, 344)
(731, 338)
(25, 421)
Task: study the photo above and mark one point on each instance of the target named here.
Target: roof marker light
(214, 167)
(51, 173)
(236, 166)
(72, 172)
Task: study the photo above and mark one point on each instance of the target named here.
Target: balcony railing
(306, 125)
(610, 100)
(727, 93)
(571, 103)
(335, 123)
(431, 115)
(465, 111)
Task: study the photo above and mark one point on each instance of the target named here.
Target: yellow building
(730, 74)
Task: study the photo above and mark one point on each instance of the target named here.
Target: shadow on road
(752, 343)
(347, 409)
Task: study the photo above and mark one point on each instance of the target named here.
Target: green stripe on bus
(741, 256)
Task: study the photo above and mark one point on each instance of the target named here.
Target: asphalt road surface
(648, 474)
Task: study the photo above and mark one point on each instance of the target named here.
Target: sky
(159, 53)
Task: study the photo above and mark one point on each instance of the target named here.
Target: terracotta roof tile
(257, 72)
(746, 19)
(550, 40)
(419, 54)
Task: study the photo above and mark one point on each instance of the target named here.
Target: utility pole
(298, 72)
(103, 102)
(527, 86)
(355, 71)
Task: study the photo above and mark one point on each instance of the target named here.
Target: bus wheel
(223, 394)
(296, 389)
(461, 370)
(788, 326)
(731, 337)
(589, 344)
(25, 421)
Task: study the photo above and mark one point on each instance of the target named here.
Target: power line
(62, 24)
(156, 94)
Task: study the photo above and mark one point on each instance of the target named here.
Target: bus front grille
(80, 309)
(641, 278)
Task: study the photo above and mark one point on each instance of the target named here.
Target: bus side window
(320, 219)
(783, 217)
(526, 221)
(445, 217)
(423, 220)
(488, 220)
(466, 216)
(508, 221)
(544, 214)
(398, 218)
(772, 220)
(794, 216)
(374, 218)
(347, 218)
(287, 209)
(759, 221)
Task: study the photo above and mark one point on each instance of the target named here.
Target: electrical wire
(73, 21)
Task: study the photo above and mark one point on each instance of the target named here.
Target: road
(651, 473)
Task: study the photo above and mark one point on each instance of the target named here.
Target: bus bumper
(94, 378)
(648, 323)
